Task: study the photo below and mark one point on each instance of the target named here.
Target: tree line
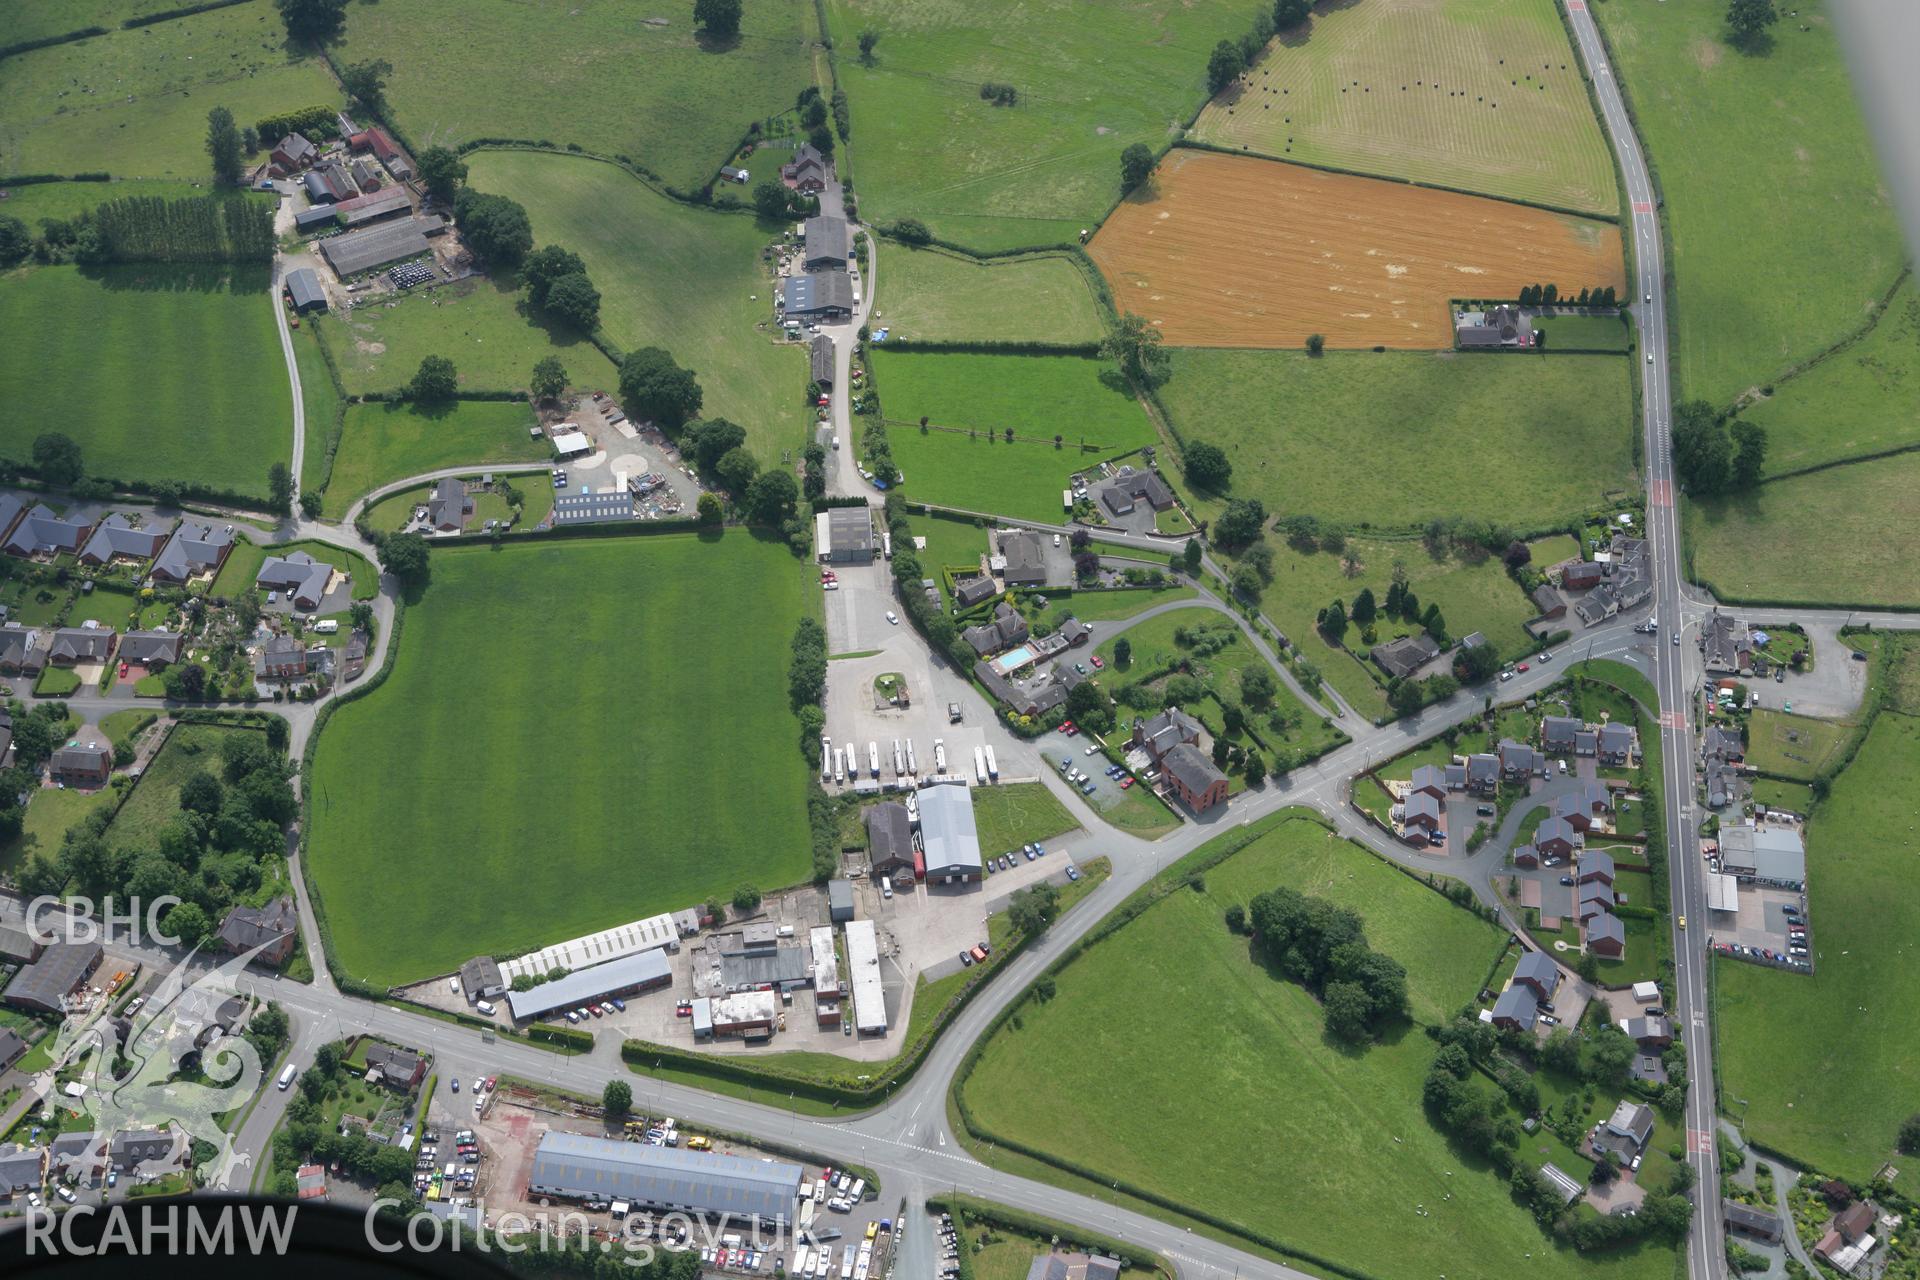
(190, 229)
(1547, 295)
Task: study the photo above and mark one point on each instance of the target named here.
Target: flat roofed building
(826, 961)
(749, 1014)
(1723, 892)
(1774, 856)
(844, 535)
(643, 971)
(596, 948)
(869, 993)
(948, 834)
(671, 1178)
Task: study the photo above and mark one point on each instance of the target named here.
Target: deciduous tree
(574, 300)
(662, 392)
(1288, 14)
(1207, 466)
(1240, 523)
(1225, 64)
(312, 21)
(366, 84)
(436, 381)
(280, 488)
(56, 458)
(442, 171)
(1136, 163)
(718, 18)
(1747, 19)
(404, 555)
(549, 378)
(224, 147)
(617, 1098)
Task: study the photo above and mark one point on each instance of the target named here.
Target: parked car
(1125, 783)
(456, 1084)
(1485, 810)
(684, 1009)
(1099, 663)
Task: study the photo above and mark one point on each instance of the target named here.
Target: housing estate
(42, 533)
(119, 538)
(196, 549)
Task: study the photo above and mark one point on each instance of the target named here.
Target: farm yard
(990, 177)
(182, 369)
(1484, 97)
(1781, 232)
(688, 280)
(1392, 440)
(1035, 397)
(1325, 1142)
(381, 443)
(480, 323)
(930, 295)
(134, 103)
(476, 751)
(1847, 535)
(609, 79)
(1810, 1068)
(1363, 262)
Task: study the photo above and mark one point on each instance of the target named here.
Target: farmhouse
(304, 291)
(1401, 658)
(62, 969)
(1504, 326)
(1007, 628)
(1019, 561)
(274, 928)
(292, 153)
(359, 251)
(194, 549)
(449, 507)
(42, 534)
(22, 651)
(826, 243)
(948, 835)
(119, 538)
(820, 360)
(1775, 857)
(154, 650)
(394, 1067)
(1194, 778)
(628, 975)
(1131, 488)
(844, 535)
(807, 171)
(824, 296)
(699, 1183)
(890, 839)
(303, 578)
(863, 967)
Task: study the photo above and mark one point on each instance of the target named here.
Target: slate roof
(1120, 494)
(298, 574)
(50, 979)
(1556, 732)
(889, 834)
(818, 293)
(1421, 808)
(448, 506)
(1163, 732)
(150, 646)
(1518, 757)
(41, 532)
(1539, 971)
(248, 927)
(82, 644)
(1606, 928)
(1406, 655)
(1431, 778)
(1615, 739)
(1026, 562)
(295, 149)
(1554, 830)
(1518, 1004)
(117, 536)
(971, 591)
(1006, 629)
(826, 241)
(1192, 768)
(22, 647)
(1596, 862)
(196, 547)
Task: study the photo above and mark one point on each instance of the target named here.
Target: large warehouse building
(642, 971)
(844, 535)
(359, 251)
(596, 948)
(948, 834)
(869, 993)
(693, 1182)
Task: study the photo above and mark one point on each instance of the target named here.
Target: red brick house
(1194, 778)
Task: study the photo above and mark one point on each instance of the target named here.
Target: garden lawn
(237, 575)
(382, 443)
(1037, 397)
(1584, 333)
(1861, 400)
(50, 813)
(135, 103)
(990, 177)
(669, 276)
(930, 295)
(1810, 1068)
(1323, 1141)
(182, 368)
(1018, 814)
(597, 73)
(1112, 604)
(1844, 537)
(475, 751)
(1395, 439)
(1782, 234)
(482, 324)
(190, 748)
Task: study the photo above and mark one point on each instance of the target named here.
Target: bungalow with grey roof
(118, 538)
(1606, 936)
(303, 578)
(1758, 1223)
(1194, 778)
(154, 650)
(968, 592)
(43, 534)
(1556, 734)
(23, 650)
(449, 507)
(73, 645)
(1616, 743)
(1401, 658)
(1121, 494)
(196, 549)
(1537, 971)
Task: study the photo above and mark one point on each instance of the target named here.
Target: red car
(1126, 782)
(1097, 662)
(684, 1009)
(1521, 667)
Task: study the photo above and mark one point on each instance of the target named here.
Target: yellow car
(1683, 922)
(699, 1143)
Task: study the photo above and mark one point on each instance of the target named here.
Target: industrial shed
(820, 359)
(303, 287)
(693, 1182)
(869, 992)
(359, 251)
(949, 836)
(592, 508)
(642, 971)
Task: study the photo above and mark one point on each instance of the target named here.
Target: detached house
(1596, 899)
(1160, 734)
(195, 549)
(1007, 629)
(1127, 491)
(1020, 561)
(117, 538)
(22, 651)
(1422, 814)
(303, 578)
(449, 507)
(1606, 936)
(1728, 645)
(1483, 773)
(275, 928)
(807, 171)
(1194, 778)
(1516, 1009)
(1430, 779)
(1538, 972)
(1616, 743)
(41, 535)
(82, 764)
(1401, 658)
(400, 1069)
(293, 153)
(280, 658)
(1596, 867)
(154, 650)
(1518, 761)
(1557, 837)
(74, 645)
(1557, 734)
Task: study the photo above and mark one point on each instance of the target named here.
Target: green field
(1037, 397)
(480, 323)
(600, 73)
(929, 147)
(1810, 1065)
(669, 276)
(1584, 333)
(1432, 93)
(1291, 730)
(1781, 232)
(381, 443)
(1248, 1112)
(321, 397)
(1018, 814)
(1395, 439)
(1864, 399)
(1794, 747)
(181, 368)
(69, 199)
(135, 103)
(930, 295)
(542, 762)
(38, 19)
(1848, 536)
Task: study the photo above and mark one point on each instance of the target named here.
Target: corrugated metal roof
(585, 985)
(572, 1164)
(947, 831)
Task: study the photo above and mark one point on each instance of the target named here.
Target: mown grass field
(614, 79)
(1394, 439)
(1433, 93)
(69, 199)
(482, 324)
(1864, 399)
(381, 443)
(181, 369)
(544, 745)
(1038, 397)
(1781, 233)
(1019, 813)
(1236, 1102)
(134, 103)
(1848, 535)
(684, 279)
(929, 147)
(1790, 746)
(1820, 1067)
(930, 295)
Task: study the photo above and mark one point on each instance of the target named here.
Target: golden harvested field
(1477, 95)
(1229, 251)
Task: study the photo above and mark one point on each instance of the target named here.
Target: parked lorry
(980, 765)
(993, 766)
(939, 755)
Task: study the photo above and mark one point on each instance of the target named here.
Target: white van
(485, 1007)
(286, 1075)
(886, 886)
